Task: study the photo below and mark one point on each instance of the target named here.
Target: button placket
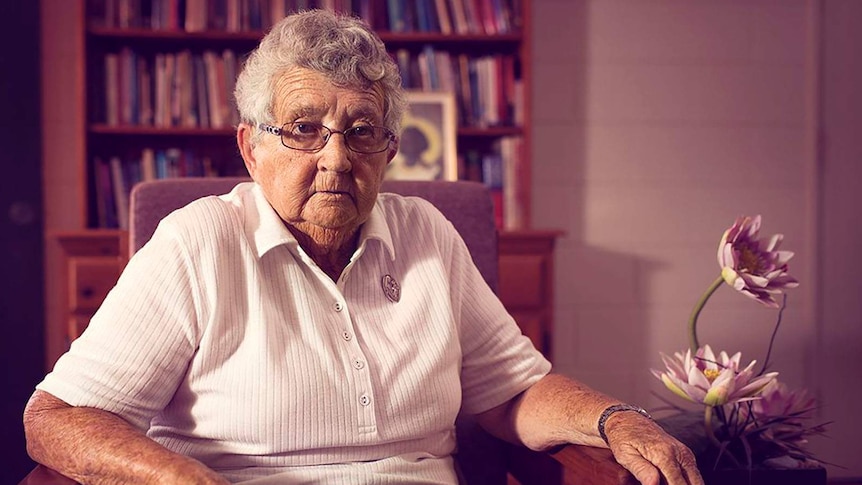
(356, 365)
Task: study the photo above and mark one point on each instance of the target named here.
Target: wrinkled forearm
(554, 411)
(98, 447)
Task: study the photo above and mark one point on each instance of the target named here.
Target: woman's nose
(335, 155)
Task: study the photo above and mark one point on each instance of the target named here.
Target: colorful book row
(115, 177)
(196, 90)
(486, 17)
(486, 88)
(498, 169)
(170, 89)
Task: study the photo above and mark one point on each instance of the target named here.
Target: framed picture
(428, 139)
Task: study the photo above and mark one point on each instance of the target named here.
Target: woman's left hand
(654, 457)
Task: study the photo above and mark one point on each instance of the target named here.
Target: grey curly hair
(341, 47)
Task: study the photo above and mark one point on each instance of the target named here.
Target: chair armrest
(584, 465)
(42, 475)
(588, 465)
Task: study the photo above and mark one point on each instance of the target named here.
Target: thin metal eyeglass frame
(274, 130)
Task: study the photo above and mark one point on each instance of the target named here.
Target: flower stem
(692, 320)
(707, 425)
(774, 333)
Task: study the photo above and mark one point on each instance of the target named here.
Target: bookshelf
(159, 78)
(105, 116)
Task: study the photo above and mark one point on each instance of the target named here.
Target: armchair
(481, 458)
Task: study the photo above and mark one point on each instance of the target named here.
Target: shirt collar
(263, 226)
(377, 227)
(265, 229)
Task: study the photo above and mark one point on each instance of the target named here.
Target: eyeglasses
(311, 137)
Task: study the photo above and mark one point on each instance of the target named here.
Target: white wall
(840, 232)
(659, 122)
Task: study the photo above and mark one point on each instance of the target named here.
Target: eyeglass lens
(312, 136)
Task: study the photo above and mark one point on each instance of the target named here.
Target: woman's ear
(393, 150)
(244, 134)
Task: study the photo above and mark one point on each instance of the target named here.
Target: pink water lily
(777, 400)
(714, 382)
(754, 267)
(780, 417)
(748, 417)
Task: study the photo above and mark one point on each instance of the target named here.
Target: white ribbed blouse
(226, 342)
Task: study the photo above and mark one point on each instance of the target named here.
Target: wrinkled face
(333, 188)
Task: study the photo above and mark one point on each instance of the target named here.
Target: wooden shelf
(126, 34)
(139, 130)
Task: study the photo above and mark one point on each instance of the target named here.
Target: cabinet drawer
(90, 280)
(522, 280)
(532, 326)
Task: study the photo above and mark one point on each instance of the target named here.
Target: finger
(644, 471)
(659, 464)
(681, 471)
(693, 477)
(673, 473)
(689, 467)
(692, 473)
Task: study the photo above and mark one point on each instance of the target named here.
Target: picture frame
(428, 140)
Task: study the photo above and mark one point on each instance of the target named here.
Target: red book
(497, 199)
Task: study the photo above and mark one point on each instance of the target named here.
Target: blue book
(161, 165)
(423, 23)
(492, 170)
(396, 15)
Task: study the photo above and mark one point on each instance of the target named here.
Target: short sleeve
(136, 349)
(498, 361)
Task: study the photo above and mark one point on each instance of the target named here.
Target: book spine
(396, 15)
(443, 17)
(112, 83)
(121, 194)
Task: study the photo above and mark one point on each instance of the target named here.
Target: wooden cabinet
(526, 283)
(92, 262)
(94, 259)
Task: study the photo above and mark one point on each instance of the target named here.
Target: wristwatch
(615, 409)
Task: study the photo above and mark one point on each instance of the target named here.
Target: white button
(358, 364)
(364, 400)
(346, 335)
(338, 306)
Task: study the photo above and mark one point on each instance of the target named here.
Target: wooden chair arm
(588, 465)
(42, 475)
(584, 465)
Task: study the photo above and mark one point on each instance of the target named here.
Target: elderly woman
(305, 328)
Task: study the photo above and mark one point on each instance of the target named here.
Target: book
(148, 164)
(443, 18)
(201, 93)
(396, 15)
(459, 18)
(120, 192)
(211, 61)
(112, 86)
(106, 210)
(145, 83)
